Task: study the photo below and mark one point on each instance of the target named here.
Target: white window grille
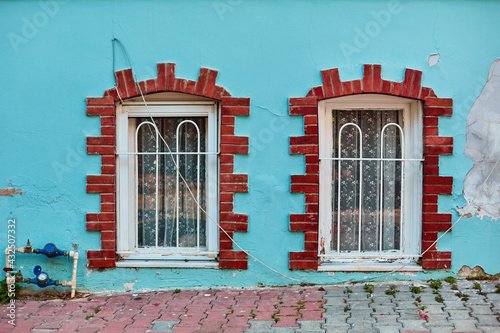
(158, 217)
(370, 180)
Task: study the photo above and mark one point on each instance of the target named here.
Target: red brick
(210, 88)
(100, 179)
(303, 226)
(162, 76)
(227, 120)
(327, 83)
(190, 86)
(294, 188)
(303, 110)
(347, 87)
(431, 160)
(311, 129)
(312, 197)
(226, 197)
(438, 189)
(100, 101)
(234, 149)
(234, 226)
(226, 207)
(232, 217)
(304, 149)
(431, 130)
(97, 217)
(312, 208)
(121, 84)
(100, 188)
(227, 129)
(296, 179)
(430, 101)
(108, 235)
(416, 84)
(233, 264)
(436, 217)
(298, 140)
(431, 121)
(101, 263)
(108, 169)
(438, 111)
(98, 226)
(226, 158)
(108, 130)
(130, 82)
(443, 264)
(151, 86)
(318, 91)
(431, 170)
(224, 187)
(438, 140)
(424, 92)
(100, 110)
(303, 101)
(106, 150)
(233, 255)
(100, 254)
(108, 198)
(395, 88)
(430, 235)
(314, 158)
(405, 90)
(312, 168)
(201, 82)
(310, 246)
(225, 178)
(226, 168)
(438, 150)
(356, 87)
(430, 208)
(436, 226)
(235, 110)
(108, 207)
(170, 77)
(234, 101)
(180, 85)
(303, 217)
(337, 84)
(108, 244)
(430, 198)
(367, 78)
(377, 78)
(218, 92)
(313, 265)
(438, 180)
(108, 120)
(237, 140)
(100, 140)
(303, 255)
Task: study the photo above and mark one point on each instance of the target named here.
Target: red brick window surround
(433, 146)
(105, 146)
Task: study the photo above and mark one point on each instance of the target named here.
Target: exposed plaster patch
(433, 59)
(474, 273)
(408, 273)
(129, 286)
(9, 192)
(482, 145)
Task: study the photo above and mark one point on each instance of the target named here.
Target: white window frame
(412, 204)
(126, 187)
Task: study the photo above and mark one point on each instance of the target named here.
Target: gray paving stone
(358, 305)
(284, 330)
(336, 320)
(390, 320)
(454, 305)
(488, 329)
(440, 329)
(481, 310)
(310, 325)
(336, 328)
(162, 326)
(435, 309)
(383, 309)
(335, 292)
(260, 325)
(493, 297)
(415, 325)
(334, 300)
(361, 314)
(476, 300)
(487, 320)
(362, 330)
(468, 325)
(459, 314)
(387, 328)
(359, 297)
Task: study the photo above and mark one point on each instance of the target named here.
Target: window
(370, 181)
(159, 221)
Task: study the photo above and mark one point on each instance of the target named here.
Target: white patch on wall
(483, 147)
(433, 59)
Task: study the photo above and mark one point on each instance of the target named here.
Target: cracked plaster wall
(483, 147)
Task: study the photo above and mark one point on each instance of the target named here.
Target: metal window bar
(197, 183)
(382, 186)
(137, 183)
(382, 159)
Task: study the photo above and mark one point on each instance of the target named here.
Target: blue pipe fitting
(42, 279)
(51, 251)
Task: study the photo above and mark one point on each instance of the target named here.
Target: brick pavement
(463, 307)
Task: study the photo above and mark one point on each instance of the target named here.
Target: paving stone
(162, 326)
(388, 329)
(468, 325)
(454, 305)
(481, 310)
(310, 325)
(335, 291)
(487, 320)
(459, 314)
(487, 329)
(334, 300)
(260, 325)
(340, 328)
(283, 330)
(415, 324)
(440, 329)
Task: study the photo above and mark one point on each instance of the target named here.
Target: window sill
(368, 267)
(166, 264)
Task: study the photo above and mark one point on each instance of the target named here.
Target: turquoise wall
(55, 54)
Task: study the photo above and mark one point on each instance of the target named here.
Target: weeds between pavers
(368, 288)
(451, 280)
(416, 289)
(392, 290)
(435, 284)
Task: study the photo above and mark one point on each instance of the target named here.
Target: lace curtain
(168, 234)
(360, 183)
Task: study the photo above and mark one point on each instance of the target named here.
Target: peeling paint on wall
(483, 147)
(9, 192)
